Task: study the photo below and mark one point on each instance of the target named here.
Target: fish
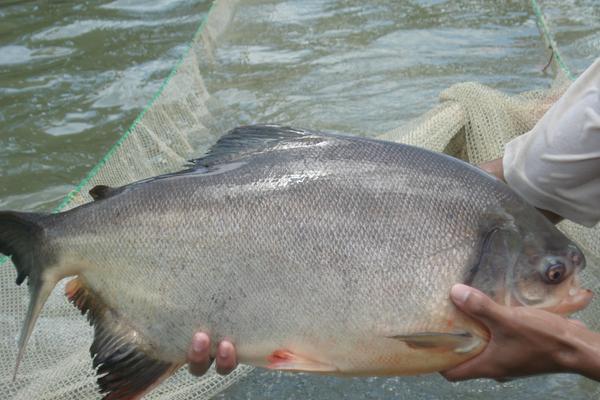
(310, 251)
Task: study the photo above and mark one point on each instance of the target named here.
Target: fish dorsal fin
(122, 356)
(100, 192)
(246, 140)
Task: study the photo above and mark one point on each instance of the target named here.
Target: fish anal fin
(459, 342)
(289, 361)
(123, 359)
(128, 373)
(82, 298)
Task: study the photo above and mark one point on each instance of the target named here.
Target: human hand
(199, 358)
(494, 167)
(524, 341)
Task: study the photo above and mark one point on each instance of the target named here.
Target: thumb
(476, 304)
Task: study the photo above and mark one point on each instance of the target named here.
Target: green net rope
(549, 40)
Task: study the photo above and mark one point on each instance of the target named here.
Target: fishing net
(472, 122)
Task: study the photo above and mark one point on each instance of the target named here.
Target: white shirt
(556, 165)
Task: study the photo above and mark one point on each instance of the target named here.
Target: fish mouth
(577, 300)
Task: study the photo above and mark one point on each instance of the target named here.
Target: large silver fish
(311, 252)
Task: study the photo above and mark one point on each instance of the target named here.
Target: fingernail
(460, 293)
(200, 342)
(224, 351)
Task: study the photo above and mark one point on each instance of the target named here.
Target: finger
(476, 304)
(579, 323)
(471, 369)
(198, 355)
(494, 167)
(226, 358)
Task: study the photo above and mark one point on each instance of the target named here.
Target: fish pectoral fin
(288, 361)
(459, 342)
(125, 367)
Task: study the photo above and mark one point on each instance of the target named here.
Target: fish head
(547, 273)
(529, 262)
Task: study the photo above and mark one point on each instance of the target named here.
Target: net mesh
(472, 122)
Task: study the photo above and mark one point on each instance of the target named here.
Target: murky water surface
(73, 76)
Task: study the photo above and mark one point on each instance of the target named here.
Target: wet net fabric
(472, 122)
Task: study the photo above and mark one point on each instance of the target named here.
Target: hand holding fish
(525, 341)
(199, 359)
(262, 237)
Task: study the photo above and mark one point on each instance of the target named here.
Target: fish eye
(555, 272)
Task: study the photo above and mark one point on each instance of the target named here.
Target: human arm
(199, 359)
(555, 166)
(525, 341)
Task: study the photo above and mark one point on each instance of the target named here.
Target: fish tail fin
(22, 236)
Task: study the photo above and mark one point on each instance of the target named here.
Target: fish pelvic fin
(22, 237)
(286, 360)
(123, 358)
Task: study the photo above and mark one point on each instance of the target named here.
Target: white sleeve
(556, 165)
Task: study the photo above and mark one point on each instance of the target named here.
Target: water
(73, 76)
